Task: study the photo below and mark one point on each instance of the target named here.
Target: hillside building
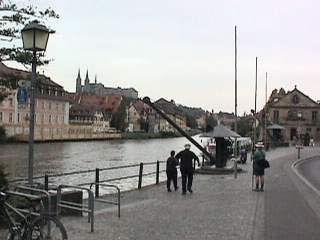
(99, 89)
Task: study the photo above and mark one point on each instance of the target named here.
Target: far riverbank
(144, 135)
(99, 137)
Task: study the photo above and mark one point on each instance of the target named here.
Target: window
(57, 119)
(57, 106)
(42, 104)
(10, 117)
(276, 116)
(314, 115)
(10, 102)
(18, 117)
(295, 99)
(1, 116)
(308, 129)
(49, 105)
(49, 118)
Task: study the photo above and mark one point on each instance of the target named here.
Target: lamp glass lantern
(35, 37)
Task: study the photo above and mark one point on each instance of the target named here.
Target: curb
(294, 168)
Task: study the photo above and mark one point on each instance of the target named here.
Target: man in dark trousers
(186, 167)
(171, 171)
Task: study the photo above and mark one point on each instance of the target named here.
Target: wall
(21, 133)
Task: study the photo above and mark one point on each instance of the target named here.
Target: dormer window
(295, 99)
(276, 99)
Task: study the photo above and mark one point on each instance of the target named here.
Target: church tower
(78, 83)
(87, 81)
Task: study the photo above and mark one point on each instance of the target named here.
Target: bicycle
(41, 227)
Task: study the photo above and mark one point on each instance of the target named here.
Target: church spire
(87, 81)
(78, 82)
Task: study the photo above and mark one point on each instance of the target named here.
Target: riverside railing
(97, 175)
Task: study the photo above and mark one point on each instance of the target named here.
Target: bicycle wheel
(47, 228)
(10, 234)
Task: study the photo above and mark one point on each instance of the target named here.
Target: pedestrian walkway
(221, 207)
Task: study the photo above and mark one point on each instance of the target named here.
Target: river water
(59, 157)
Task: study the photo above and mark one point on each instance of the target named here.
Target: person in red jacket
(186, 167)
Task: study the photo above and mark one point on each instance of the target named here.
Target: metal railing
(26, 196)
(76, 206)
(37, 190)
(98, 171)
(97, 184)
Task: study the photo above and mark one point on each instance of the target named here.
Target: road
(311, 171)
(290, 207)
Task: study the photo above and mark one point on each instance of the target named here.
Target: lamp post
(299, 145)
(299, 115)
(35, 37)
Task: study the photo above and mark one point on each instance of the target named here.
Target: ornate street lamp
(35, 37)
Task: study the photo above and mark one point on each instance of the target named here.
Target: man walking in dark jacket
(186, 167)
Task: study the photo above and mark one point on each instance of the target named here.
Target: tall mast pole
(265, 115)
(255, 103)
(235, 90)
(235, 79)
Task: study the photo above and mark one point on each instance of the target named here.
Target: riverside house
(139, 117)
(291, 116)
(94, 111)
(51, 107)
(173, 112)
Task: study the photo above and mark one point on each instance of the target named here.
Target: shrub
(3, 177)
(3, 135)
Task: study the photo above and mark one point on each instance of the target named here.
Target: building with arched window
(292, 117)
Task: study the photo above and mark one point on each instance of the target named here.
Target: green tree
(191, 122)
(244, 126)
(211, 123)
(118, 119)
(3, 177)
(12, 20)
(9, 82)
(3, 135)
(13, 17)
(144, 125)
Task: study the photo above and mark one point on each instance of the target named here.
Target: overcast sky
(184, 49)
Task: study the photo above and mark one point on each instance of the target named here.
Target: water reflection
(61, 157)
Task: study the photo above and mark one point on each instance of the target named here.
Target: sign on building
(22, 94)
